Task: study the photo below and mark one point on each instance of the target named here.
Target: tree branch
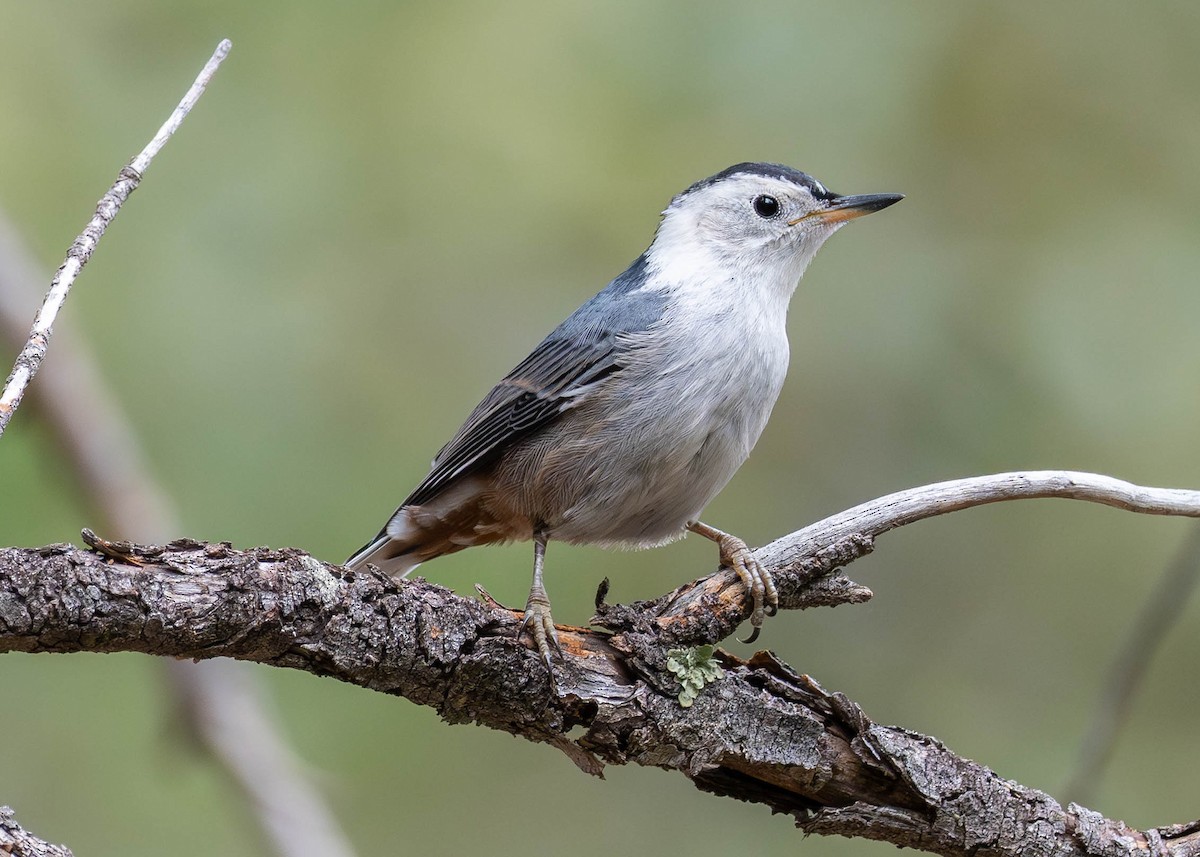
(226, 714)
(878, 516)
(21, 843)
(760, 732)
(81, 250)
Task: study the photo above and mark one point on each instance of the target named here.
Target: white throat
(686, 262)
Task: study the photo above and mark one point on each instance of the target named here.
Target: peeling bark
(761, 733)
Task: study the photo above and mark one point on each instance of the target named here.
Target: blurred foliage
(379, 207)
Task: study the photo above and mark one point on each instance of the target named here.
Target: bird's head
(758, 221)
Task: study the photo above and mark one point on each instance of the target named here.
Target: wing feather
(581, 352)
(545, 384)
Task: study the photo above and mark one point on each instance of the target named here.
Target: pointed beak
(843, 208)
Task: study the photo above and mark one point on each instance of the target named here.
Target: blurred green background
(379, 207)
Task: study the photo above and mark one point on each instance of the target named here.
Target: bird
(631, 415)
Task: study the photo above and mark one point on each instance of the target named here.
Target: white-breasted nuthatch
(633, 413)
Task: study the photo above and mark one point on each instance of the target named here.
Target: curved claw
(753, 635)
(736, 554)
(540, 625)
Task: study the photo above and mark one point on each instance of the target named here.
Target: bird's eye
(765, 206)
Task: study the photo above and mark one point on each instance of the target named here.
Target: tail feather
(389, 555)
(449, 523)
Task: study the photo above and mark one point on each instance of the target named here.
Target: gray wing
(545, 384)
(583, 350)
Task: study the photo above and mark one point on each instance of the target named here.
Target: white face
(752, 228)
(745, 225)
(745, 212)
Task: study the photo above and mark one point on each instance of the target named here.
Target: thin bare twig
(217, 699)
(799, 559)
(878, 516)
(1158, 615)
(128, 178)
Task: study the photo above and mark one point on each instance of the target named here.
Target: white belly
(662, 442)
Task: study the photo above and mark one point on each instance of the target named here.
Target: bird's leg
(537, 609)
(736, 554)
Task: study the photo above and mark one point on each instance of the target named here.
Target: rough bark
(21, 843)
(760, 733)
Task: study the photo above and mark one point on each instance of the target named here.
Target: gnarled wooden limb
(760, 732)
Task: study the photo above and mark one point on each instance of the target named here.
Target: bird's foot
(736, 554)
(540, 625)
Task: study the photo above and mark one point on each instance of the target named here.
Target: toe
(764, 597)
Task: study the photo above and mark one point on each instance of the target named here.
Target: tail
(417, 533)
(394, 557)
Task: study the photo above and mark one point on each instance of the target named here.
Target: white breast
(682, 415)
